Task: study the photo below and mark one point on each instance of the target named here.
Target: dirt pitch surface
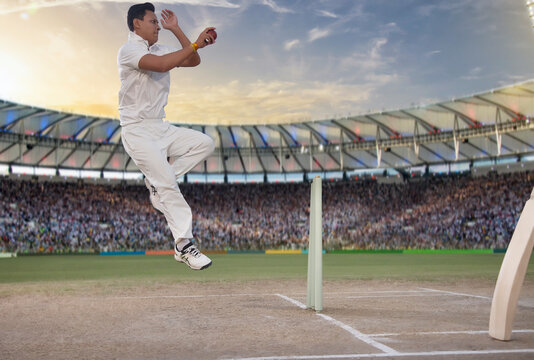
(257, 320)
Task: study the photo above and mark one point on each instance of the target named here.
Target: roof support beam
(110, 157)
(22, 118)
(48, 128)
(498, 135)
(321, 140)
(389, 131)
(507, 110)
(356, 159)
(223, 157)
(428, 127)
(349, 132)
(455, 136)
(531, 146)
(253, 142)
(466, 119)
(267, 145)
(237, 148)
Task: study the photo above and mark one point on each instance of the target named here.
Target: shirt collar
(134, 37)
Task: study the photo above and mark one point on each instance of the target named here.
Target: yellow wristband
(195, 46)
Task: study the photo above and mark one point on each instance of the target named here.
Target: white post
(57, 146)
(498, 134)
(341, 149)
(378, 148)
(512, 274)
(281, 166)
(314, 298)
(310, 298)
(456, 140)
(311, 152)
(21, 144)
(416, 138)
(318, 228)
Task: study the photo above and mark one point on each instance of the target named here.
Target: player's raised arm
(169, 21)
(163, 63)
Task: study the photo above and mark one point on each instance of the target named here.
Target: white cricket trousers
(149, 143)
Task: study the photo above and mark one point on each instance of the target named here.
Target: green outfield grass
(230, 267)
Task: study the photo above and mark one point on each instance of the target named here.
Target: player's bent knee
(209, 144)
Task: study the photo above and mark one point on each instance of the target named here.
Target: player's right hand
(204, 38)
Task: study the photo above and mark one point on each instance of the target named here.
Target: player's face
(148, 28)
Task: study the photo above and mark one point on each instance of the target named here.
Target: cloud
(514, 79)
(377, 45)
(276, 8)
(341, 24)
(446, 6)
(13, 6)
(266, 102)
(474, 74)
(14, 74)
(370, 66)
(59, 44)
(316, 33)
(327, 14)
(288, 45)
(390, 28)
(432, 53)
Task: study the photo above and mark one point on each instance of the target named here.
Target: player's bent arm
(169, 22)
(164, 63)
(194, 59)
(191, 61)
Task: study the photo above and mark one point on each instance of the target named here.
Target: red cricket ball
(213, 33)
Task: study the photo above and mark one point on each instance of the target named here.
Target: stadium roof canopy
(489, 125)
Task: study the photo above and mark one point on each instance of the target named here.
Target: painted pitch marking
(460, 332)
(398, 354)
(360, 336)
(183, 296)
(457, 294)
(392, 296)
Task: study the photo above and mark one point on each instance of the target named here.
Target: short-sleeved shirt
(143, 94)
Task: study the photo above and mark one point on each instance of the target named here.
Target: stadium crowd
(457, 211)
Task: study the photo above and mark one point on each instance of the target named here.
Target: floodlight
(530, 7)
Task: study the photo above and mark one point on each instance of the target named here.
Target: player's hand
(168, 19)
(204, 38)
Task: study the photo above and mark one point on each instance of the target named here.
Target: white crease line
(366, 339)
(391, 296)
(367, 292)
(464, 332)
(457, 294)
(293, 301)
(382, 355)
(359, 335)
(183, 296)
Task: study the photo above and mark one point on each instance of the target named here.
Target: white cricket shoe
(154, 196)
(192, 257)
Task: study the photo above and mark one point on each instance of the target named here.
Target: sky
(274, 61)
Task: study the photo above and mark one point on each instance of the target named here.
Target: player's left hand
(168, 19)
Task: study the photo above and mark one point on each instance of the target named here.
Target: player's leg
(187, 148)
(151, 158)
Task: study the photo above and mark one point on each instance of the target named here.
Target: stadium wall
(272, 252)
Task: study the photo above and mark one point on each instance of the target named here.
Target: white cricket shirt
(143, 94)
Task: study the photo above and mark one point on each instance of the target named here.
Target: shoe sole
(206, 266)
(192, 268)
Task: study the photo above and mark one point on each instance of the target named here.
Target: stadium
(419, 208)
(481, 141)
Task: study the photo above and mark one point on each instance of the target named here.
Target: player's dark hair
(137, 11)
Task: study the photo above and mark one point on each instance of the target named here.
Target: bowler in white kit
(160, 150)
